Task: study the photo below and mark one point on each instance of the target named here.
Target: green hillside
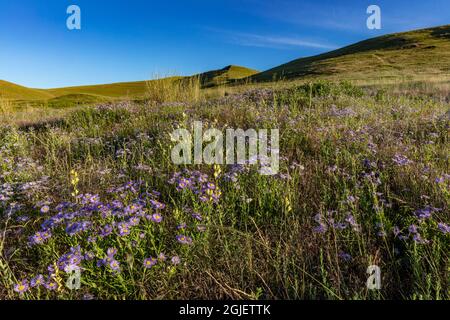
(13, 91)
(113, 90)
(225, 75)
(101, 92)
(410, 55)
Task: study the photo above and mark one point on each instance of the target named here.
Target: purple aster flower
(157, 205)
(105, 231)
(156, 217)
(339, 225)
(401, 160)
(321, 228)
(181, 226)
(439, 180)
(133, 221)
(150, 262)
(111, 252)
(418, 239)
(132, 208)
(162, 257)
(37, 281)
(345, 256)
(184, 239)
(45, 209)
(22, 287)
(51, 285)
(412, 229)
(182, 183)
(197, 216)
(211, 186)
(51, 269)
(37, 238)
(89, 255)
(444, 228)
(175, 260)
(124, 228)
(114, 265)
(424, 213)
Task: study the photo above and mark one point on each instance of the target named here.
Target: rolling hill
(408, 55)
(101, 92)
(225, 75)
(12, 91)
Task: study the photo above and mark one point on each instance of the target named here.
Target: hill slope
(12, 91)
(134, 89)
(405, 55)
(225, 75)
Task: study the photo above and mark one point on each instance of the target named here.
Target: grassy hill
(225, 75)
(410, 55)
(13, 91)
(113, 90)
(92, 93)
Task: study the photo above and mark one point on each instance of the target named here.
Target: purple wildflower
(418, 239)
(45, 209)
(412, 229)
(197, 216)
(184, 239)
(22, 287)
(156, 217)
(114, 265)
(345, 256)
(444, 228)
(124, 228)
(150, 262)
(51, 285)
(162, 257)
(175, 260)
(157, 205)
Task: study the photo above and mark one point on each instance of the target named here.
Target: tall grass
(6, 107)
(173, 89)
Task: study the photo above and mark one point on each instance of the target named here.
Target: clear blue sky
(134, 40)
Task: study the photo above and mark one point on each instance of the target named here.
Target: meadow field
(364, 180)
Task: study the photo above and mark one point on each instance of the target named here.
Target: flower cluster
(198, 183)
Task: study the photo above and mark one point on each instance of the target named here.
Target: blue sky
(134, 40)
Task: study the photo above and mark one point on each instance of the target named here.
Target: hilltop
(409, 55)
(225, 75)
(9, 90)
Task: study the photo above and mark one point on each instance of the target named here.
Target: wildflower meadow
(93, 207)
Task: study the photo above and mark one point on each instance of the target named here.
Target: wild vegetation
(364, 180)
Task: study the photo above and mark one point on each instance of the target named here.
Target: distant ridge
(225, 75)
(424, 52)
(134, 89)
